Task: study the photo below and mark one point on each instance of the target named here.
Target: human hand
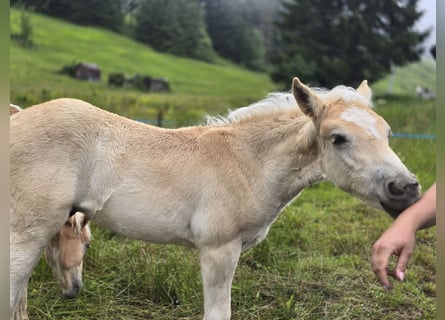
(398, 240)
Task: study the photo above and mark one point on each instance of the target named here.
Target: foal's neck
(288, 152)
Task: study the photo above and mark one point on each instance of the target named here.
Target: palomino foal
(64, 254)
(216, 188)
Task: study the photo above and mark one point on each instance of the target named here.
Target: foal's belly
(148, 226)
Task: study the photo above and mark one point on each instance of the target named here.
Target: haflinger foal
(217, 188)
(64, 253)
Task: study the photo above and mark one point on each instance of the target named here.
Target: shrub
(25, 35)
(70, 69)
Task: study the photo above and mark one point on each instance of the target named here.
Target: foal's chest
(253, 237)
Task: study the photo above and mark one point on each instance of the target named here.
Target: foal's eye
(337, 139)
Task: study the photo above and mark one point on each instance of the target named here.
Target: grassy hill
(196, 85)
(405, 79)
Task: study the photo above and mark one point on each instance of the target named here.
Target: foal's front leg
(217, 268)
(20, 312)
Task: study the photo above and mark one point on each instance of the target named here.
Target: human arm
(399, 239)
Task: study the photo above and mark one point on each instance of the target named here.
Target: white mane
(77, 222)
(285, 101)
(273, 102)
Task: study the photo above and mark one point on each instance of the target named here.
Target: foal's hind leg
(217, 268)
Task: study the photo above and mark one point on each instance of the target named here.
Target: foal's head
(65, 253)
(353, 141)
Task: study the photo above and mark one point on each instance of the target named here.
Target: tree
(326, 42)
(174, 26)
(26, 30)
(261, 14)
(233, 35)
(103, 13)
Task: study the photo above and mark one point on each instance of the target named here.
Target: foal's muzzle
(400, 193)
(74, 290)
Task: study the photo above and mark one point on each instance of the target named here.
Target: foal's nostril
(394, 190)
(400, 193)
(412, 188)
(398, 189)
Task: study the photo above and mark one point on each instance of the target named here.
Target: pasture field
(314, 264)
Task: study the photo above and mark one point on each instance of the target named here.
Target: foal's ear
(308, 102)
(364, 90)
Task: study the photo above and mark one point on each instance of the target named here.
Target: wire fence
(414, 136)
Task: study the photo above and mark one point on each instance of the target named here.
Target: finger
(395, 274)
(379, 262)
(402, 262)
(381, 273)
(382, 277)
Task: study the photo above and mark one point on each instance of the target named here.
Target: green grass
(314, 264)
